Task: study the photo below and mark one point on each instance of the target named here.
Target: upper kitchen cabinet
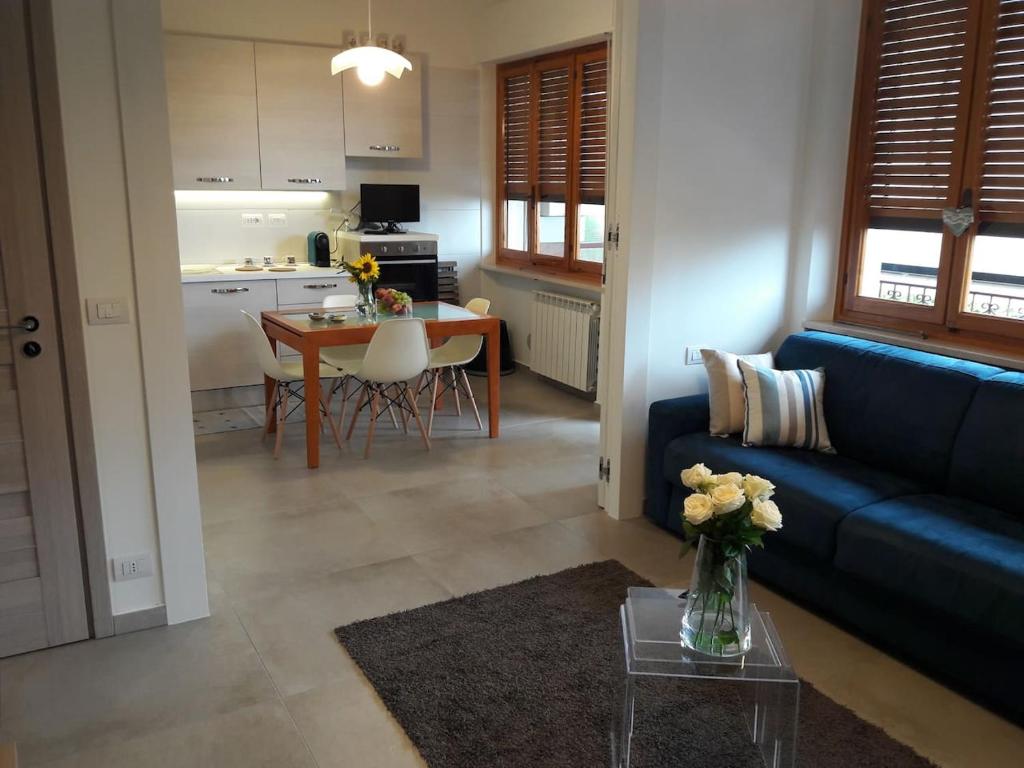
(301, 119)
(211, 99)
(385, 120)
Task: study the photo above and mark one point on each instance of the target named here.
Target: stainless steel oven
(407, 265)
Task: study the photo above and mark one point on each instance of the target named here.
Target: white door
(42, 589)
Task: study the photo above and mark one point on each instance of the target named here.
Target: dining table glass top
(425, 310)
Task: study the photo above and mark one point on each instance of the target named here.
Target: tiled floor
(294, 553)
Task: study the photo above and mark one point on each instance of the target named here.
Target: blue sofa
(912, 534)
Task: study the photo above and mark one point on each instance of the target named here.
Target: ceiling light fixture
(371, 62)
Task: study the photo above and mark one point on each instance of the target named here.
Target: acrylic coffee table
(762, 679)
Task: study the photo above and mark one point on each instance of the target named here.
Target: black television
(389, 204)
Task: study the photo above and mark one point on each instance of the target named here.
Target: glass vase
(716, 620)
(367, 306)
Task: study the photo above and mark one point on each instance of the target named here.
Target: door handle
(316, 286)
(27, 324)
(229, 290)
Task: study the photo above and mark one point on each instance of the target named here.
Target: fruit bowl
(394, 302)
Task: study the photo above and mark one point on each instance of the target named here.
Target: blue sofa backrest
(893, 408)
(988, 456)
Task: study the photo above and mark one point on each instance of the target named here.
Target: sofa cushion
(988, 457)
(893, 408)
(813, 490)
(955, 555)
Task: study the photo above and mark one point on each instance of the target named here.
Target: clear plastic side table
(763, 677)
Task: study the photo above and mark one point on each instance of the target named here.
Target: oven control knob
(401, 249)
(383, 249)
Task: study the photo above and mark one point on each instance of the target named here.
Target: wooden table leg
(269, 385)
(311, 375)
(493, 377)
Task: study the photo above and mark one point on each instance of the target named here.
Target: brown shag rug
(530, 675)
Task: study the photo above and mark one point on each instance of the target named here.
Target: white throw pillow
(725, 388)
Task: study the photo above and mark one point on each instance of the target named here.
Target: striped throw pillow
(784, 408)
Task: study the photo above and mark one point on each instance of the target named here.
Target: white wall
(512, 29)
(445, 33)
(139, 409)
(741, 119)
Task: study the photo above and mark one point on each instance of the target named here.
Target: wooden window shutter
(999, 139)
(554, 111)
(516, 100)
(918, 116)
(592, 145)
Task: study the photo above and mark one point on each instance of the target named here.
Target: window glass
(995, 285)
(551, 229)
(900, 266)
(590, 230)
(515, 225)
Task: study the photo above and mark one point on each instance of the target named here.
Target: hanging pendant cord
(369, 20)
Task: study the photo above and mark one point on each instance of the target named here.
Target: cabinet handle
(229, 290)
(215, 179)
(314, 286)
(306, 180)
(385, 147)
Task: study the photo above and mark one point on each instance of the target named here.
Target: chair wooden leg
(344, 400)
(374, 406)
(419, 422)
(282, 416)
(355, 413)
(391, 410)
(472, 399)
(327, 416)
(433, 401)
(455, 391)
(419, 386)
(271, 414)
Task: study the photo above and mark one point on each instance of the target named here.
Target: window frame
(569, 265)
(946, 320)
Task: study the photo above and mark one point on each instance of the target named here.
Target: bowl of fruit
(394, 302)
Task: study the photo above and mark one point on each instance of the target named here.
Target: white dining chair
(286, 376)
(448, 360)
(397, 353)
(344, 355)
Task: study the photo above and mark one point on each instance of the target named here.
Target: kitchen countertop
(227, 272)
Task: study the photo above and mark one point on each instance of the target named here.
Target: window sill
(937, 347)
(591, 284)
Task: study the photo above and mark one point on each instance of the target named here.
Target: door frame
(68, 303)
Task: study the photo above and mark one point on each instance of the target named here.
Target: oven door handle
(407, 261)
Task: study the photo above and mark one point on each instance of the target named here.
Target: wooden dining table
(297, 330)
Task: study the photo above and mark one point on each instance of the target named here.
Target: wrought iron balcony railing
(978, 302)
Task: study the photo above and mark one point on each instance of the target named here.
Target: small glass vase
(716, 620)
(367, 306)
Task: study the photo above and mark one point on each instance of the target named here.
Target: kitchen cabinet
(211, 101)
(220, 350)
(301, 118)
(385, 120)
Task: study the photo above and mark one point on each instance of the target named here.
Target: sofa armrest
(667, 420)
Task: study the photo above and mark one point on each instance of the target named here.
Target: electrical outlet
(132, 567)
(693, 356)
(277, 219)
(252, 219)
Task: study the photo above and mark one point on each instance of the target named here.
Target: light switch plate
(112, 311)
(277, 219)
(132, 567)
(693, 356)
(252, 219)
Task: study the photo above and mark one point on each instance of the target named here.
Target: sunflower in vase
(364, 272)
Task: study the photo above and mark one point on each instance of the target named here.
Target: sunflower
(365, 268)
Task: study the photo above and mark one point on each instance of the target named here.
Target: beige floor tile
(259, 736)
(293, 630)
(448, 513)
(347, 725)
(96, 693)
(508, 557)
(267, 554)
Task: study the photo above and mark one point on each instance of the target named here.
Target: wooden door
(385, 120)
(211, 102)
(302, 122)
(42, 587)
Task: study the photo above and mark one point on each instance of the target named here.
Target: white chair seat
(293, 371)
(344, 357)
(450, 354)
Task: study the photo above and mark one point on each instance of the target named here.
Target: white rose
(766, 514)
(729, 478)
(698, 508)
(757, 487)
(695, 476)
(727, 498)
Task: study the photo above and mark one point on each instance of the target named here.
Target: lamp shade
(371, 62)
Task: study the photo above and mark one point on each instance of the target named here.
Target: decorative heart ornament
(958, 219)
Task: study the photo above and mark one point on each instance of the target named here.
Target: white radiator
(563, 339)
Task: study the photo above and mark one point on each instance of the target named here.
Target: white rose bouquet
(727, 514)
